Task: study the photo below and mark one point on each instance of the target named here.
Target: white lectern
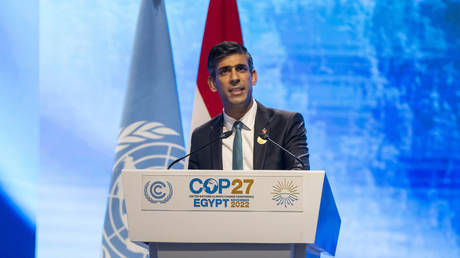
(215, 213)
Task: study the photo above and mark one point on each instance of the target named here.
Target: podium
(215, 213)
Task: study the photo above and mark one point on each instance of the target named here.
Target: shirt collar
(248, 119)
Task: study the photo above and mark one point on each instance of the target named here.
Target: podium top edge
(218, 172)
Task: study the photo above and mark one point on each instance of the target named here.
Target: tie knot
(238, 125)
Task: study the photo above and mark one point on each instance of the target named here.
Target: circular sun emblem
(285, 193)
(141, 145)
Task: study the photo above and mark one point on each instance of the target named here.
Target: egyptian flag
(222, 24)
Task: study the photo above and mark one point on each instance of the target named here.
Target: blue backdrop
(18, 128)
(377, 82)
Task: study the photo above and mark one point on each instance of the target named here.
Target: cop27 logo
(158, 191)
(212, 186)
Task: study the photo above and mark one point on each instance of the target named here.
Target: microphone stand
(222, 136)
(266, 137)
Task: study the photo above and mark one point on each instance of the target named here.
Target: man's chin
(242, 101)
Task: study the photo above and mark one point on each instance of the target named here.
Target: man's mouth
(236, 91)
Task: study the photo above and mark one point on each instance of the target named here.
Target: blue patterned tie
(237, 162)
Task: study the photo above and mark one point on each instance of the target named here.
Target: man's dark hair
(224, 49)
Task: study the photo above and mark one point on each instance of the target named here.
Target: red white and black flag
(222, 24)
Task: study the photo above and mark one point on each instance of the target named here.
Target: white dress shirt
(247, 133)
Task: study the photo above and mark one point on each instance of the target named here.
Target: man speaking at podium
(246, 134)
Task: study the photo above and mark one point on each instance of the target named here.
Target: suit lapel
(216, 148)
(262, 121)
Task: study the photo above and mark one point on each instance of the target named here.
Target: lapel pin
(259, 139)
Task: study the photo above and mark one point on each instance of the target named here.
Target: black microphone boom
(265, 136)
(222, 136)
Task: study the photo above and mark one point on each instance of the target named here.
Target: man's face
(233, 81)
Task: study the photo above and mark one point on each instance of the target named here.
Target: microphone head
(226, 134)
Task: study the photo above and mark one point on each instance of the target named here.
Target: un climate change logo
(158, 191)
(141, 145)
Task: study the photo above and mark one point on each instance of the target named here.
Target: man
(232, 76)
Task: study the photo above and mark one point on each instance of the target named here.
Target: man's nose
(234, 77)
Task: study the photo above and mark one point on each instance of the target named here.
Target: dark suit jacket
(285, 128)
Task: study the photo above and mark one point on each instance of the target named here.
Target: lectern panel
(189, 206)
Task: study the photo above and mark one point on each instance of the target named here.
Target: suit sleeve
(193, 161)
(296, 143)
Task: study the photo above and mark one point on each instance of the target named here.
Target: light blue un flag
(151, 131)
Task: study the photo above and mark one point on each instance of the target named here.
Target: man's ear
(253, 77)
(212, 84)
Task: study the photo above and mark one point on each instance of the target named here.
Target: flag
(222, 24)
(151, 131)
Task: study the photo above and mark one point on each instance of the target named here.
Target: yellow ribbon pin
(261, 141)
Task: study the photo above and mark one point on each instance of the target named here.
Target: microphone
(220, 137)
(264, 135)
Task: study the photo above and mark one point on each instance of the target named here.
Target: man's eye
(242, 68)
(224, 71)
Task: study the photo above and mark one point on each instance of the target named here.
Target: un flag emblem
(141, 145)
